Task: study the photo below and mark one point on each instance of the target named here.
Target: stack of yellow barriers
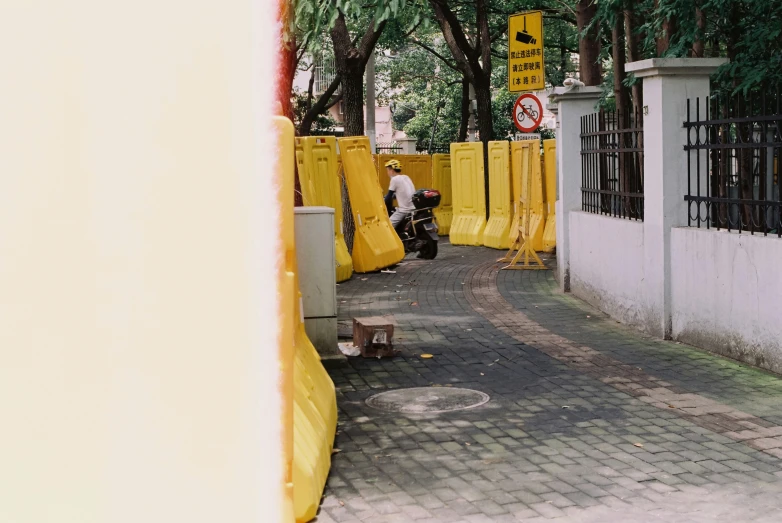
(310, 405)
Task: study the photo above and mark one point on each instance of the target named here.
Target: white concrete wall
(384, 131)
(607, 265)
(727, 294)
(572, 104)
(138, 307)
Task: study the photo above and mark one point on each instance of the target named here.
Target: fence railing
(434, 148)
(612, 158)
(733, 145)
(388, 148)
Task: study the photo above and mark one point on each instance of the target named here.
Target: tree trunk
(588, 44)
(350, 63)
(483, 100)
(699, 47)
(485, 128)
(621, 95)
(310, 87)
(563, 57)
(618, 53)
(353, 98)
(465, 110)
(633, 55)
(633, 41)
(663, 40)
(474, 61)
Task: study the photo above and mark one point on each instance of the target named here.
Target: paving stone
(523, 456)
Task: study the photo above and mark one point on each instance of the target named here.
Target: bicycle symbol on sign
(526, 111)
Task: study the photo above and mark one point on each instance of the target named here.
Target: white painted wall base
(607, 267)
(727, 294)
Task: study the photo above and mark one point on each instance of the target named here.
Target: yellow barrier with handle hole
(441, 180)
(311, 403)
(376, 244)
(324, 188)
(469, 194)
(418, 167)
(497, 233)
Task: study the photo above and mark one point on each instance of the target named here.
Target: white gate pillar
(667, 84)
(572, 104)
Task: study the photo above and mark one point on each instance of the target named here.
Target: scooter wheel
(428, 250)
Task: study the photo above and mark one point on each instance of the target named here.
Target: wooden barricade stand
(520, 244)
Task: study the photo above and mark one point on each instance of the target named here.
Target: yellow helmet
(394, 164)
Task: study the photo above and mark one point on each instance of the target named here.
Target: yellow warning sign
(525, 52)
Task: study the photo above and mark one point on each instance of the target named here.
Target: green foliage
(502, 103)
(560, 43)
(323, 123)
(747, 31)
(416, 83)
(314, 18)
(756, 26)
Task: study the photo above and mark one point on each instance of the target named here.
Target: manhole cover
(424, 400)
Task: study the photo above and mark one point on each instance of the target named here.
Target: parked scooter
(418, 230)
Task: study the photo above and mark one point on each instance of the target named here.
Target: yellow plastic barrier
(286, 280)
(497, 233)
(305, 174)
(417, 166)
(550, 170)
(323, 188)
(468, 192)
(525, 161)
(375, 243)
(314, 422)
(441, 180)
(419, 169)
(311, 404)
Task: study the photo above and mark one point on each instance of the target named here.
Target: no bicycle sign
(527, 113)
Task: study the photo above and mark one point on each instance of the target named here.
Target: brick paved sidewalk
(587, 421)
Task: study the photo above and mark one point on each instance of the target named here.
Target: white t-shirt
(403, 189)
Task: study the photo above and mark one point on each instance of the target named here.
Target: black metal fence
(733, 145)
(433, 148)
(612, 159)
(388, 148)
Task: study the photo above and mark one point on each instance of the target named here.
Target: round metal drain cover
(427, 400)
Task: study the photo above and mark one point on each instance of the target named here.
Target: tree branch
(310, 86)
(484, 37)
(454, 36)
(303, 49)
(438, 55)
(321, 105)
(499, 34)
(370, 38)
(407, 35)
(333, 101)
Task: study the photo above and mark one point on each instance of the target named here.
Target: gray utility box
(314, 230)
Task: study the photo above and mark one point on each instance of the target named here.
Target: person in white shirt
(400, 187)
